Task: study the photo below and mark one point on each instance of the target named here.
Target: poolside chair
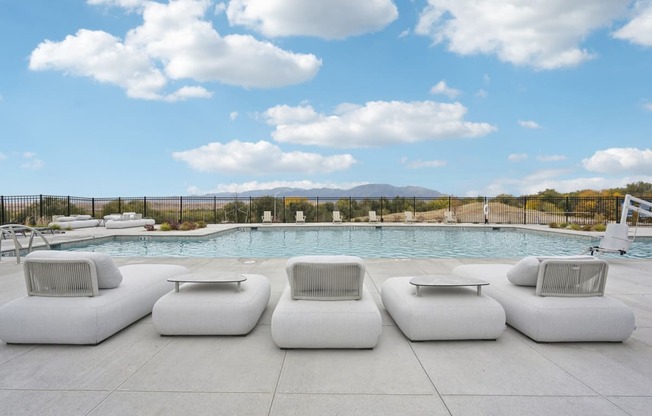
(267, 216)
(299, 217)
(556, 299)
(615, 240)
(409, 217)
(449, 217)
(372, 216)
(81, 298)
(325, 305)
(336, 216)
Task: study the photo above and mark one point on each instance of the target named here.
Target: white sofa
(81, 298)
(325, 305)
(571, 315)
(73, 221)
(126, 220)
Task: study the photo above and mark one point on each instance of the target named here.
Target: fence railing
(39, 209)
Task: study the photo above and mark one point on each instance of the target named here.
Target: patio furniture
(212, 304)
(299, 217)
(126, 220)
(556, 299)
(409, 216)
(325, 305)
(337, 217)
(442, 308)
(372, 216)
(73, 221)
(267, 216)
(81, 298)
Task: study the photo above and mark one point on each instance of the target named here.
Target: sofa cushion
(525, 272)
(108, 274)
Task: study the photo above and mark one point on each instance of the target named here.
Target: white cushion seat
(325, 305)
(442, 313)
(552, 318)
(212, 308)
(127, 223)
(87, 320)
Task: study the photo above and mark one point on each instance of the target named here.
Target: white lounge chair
(409, 217)
(325, 305)
(299, 217)
(336, 216)
(267, 216)
(81, 298)
(556, 299)
(372, 216)
(615, 240)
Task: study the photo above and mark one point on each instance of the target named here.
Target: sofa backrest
(326, 277)
(572, 277)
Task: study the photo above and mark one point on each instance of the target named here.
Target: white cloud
(442, 89)
(617, 160)
(639, 29)
(126, 4)
(328, 19)
(254, 185)
(541, 34)
(376, 123)
(174, 42)
(482, 93)
(517, 157)
(234, 115)
(31, 161)
(259, 158)
(419, 164)
(529, 124)
(551, 158)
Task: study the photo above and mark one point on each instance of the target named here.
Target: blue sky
(105, 98)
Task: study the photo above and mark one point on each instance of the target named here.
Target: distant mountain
(362, 191)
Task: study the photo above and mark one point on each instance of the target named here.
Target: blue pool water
(366, 242)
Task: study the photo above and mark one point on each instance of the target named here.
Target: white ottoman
(212, 308)
(326, 323)
(442, 313)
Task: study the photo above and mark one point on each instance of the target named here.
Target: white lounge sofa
(556, 299)
(126, 220)
(325, 305)
(73, 221)
(81, 298)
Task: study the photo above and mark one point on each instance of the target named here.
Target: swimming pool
(366, 242)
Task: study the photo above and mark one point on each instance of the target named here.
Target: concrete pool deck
(139, 372)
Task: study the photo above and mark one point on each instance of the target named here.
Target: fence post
(215, 209)
(180, 209)
(567, 209)
(92, 208)
(2, 209)
(249, 219)
(145, 206)
(120, 204)
(350, 208)
(68, 209)
(525, 210)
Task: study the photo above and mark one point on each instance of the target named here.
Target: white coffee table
(445, 280)
(220, 278)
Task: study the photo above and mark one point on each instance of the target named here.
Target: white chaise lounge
(556, 299)
(126, 220)
(325, 305)
(81, 298)
(73, 222)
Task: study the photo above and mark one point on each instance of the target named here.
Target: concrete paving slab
(507, 366)
(227, 364)
(49, 403)
(634, 406)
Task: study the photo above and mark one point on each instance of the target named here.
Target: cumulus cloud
(175, 42)
(255, 185)
(517, 157)
(539, 34)
(127, 4)
(234, 115)
(529, 124)
(618, 160)
(376, 123)
(420, 164)
(442, 89)
(327, 19)
(258, 158)
(639, 29)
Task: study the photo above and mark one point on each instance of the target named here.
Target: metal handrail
(13, 229)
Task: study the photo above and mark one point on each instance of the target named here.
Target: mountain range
(362, 191)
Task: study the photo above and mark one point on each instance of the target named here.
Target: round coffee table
(202, 278)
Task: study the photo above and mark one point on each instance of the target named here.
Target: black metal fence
(39, 209)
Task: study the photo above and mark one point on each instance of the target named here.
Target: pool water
(366, 242)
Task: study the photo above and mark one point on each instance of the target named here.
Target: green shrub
(575, 227)
(201, 224)
(600, 227)
(187, 226)
(553, 225)
(587, 227)
(563, 225)
(165, 227)
(55, 227)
